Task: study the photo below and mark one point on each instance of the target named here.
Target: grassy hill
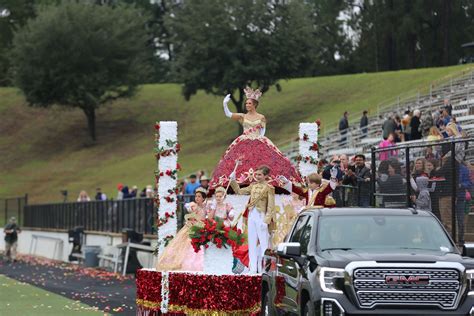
(45, 151)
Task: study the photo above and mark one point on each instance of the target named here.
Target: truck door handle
(290, 268)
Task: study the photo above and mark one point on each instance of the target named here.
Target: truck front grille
(413, 286)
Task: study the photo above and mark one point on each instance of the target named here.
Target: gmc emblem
(396, 279)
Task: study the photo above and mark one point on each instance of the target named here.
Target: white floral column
(308, 148)
(167, 148)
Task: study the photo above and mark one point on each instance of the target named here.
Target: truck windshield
(382, 232)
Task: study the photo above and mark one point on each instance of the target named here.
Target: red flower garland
(164, 219)
(307, 159)
(199, 293)
(168, 239)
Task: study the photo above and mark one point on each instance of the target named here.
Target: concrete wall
(46, 247)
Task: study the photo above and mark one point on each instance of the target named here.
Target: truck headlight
(328, 279)
(470, 281)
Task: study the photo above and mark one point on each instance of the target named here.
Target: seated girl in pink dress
(179, 255)
(221, 209)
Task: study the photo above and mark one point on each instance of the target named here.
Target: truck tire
(308, 309)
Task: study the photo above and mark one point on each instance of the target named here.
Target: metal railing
(102, 216)
(395, 173)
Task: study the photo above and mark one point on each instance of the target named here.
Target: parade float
(217, 290)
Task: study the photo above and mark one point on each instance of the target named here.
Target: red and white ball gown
(253, 150)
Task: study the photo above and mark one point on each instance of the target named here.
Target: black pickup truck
(367, 262)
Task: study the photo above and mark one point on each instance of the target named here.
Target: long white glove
(232, 176)
(262, 131)
(227, 112)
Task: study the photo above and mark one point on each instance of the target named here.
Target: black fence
(102, 216)
(433, 176)
(349, 195)
(10, 207)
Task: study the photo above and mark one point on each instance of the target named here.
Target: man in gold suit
(259, 211)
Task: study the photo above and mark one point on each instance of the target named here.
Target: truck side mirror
(289, 249)
(468, 250)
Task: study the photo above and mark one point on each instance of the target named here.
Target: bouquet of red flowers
(213, 230)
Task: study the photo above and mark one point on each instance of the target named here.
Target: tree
(332, 45)
(409, 34)
(81, 55)
(159, 37)
(18, 13)
(221, 46)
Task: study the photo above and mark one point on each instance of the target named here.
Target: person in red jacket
(317, 193)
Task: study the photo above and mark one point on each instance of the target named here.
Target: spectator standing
(389, 142)
(83, 197)
(426, 124)
(431, 166)
(391, 184)
(119, 191)
(364, 122)
(149, 191)
(448, 107)
(204, 181)
(399, 137)
(359, 176)
(445, 117)
(343, 127)
(421, 186)
(431, 170)
(463, 187)
(126, 192)
(344, 162)
(452, 132)
(11, 231)
(415, 125)
(444, 189)
(99, 196)
(388, 127)
(192, 185)
(436, 116)
(419, 168)
(406, 125)
(190, 188)
(133, 193)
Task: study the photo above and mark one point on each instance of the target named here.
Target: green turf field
(17, 298)
(45, 151)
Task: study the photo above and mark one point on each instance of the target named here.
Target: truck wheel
(308, 309)
(266, 305)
